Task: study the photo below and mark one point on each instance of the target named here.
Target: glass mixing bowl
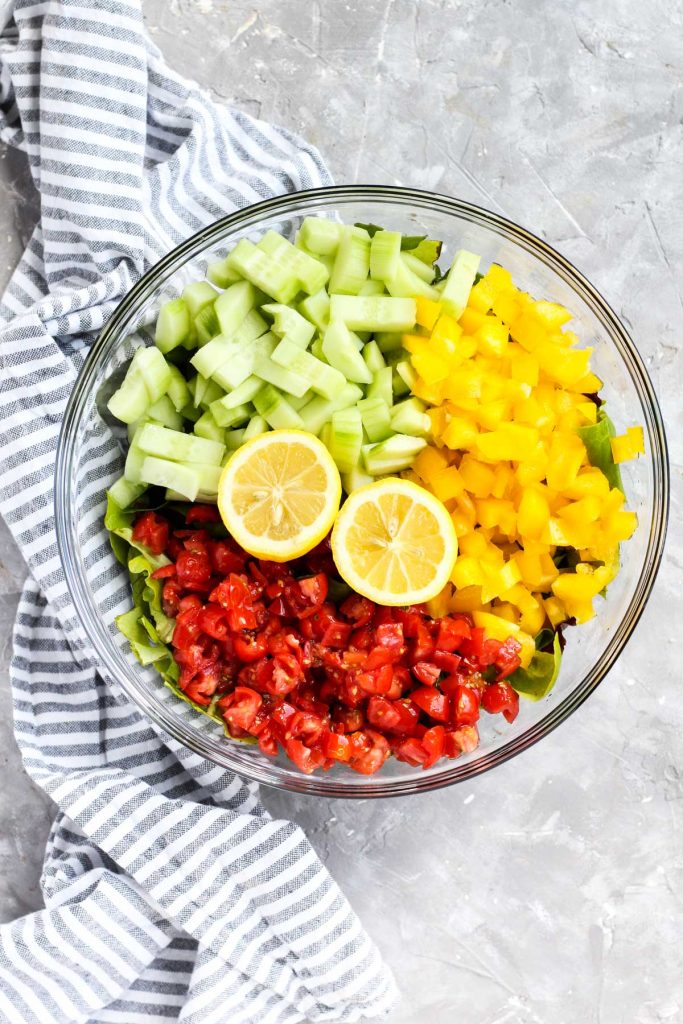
(88, 445)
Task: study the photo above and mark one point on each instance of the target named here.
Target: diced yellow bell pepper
(460, 433)
(504, 480)
(586, 510)
(492, 337)
(447, 484)
(512, 442)
(620, 526)
(431, 367)
(481, 296)
(505, 610)
(467, 572)
(551, 314)
(440, 605)
(628, 445)
(589, 384)
(471, 320)
(528, 331)
(589, 482)
(466, 600)
(507, 307)
(565, 366)
(523, 366)
(555, 610)
(477, 477)
(565, 458)
(499, 279)
(446, 328)
(492, 414)
(533, 513)
(427, 311)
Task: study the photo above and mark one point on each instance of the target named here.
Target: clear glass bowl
(88, 441)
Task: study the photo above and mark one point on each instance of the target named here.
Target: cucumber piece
(264, 271)
(372, 288)
(319, 411)
(317, 350)
(233, 417)
(147, 379)
(197, 295)
(299, 403)
(311, 273)
(206, 325)
(209, 477)
(192, 386)
(255, 427)
(221, 273)
(124, 493)
(372, 356)
(327, 261)
(389, 341)
(173, 325)
(133, 467)
(409, 417)
(345, 438)
(356, 478)
(428, 250)
(178, 447)
(405, 283)
(211, 356)
(206, 392)
(351, 264)
(393, 455)
(321, 236)
(177, 390)
(189, 412)
(287, 322)
(398, 385)
(241, 395)
(385, 253)
(381, 386)
(341, 353)
(374, 312)
(232, 306)
(279, 376)
(163, 473)
(234, 439)
(252, 327)
(276, 410)
(163, 411)
(316, 309)
(323, 379)
(241, 365)
(376, 417)
(407, 374)
(206, 426)
(459, 281)
(422, 270)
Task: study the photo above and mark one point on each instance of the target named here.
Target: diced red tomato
(240, 707)
(152, 531)
(465, 705)
(202, 514)
(500, 698)
(432, 702)
(426, 672)
(369, 751)
(394, 716)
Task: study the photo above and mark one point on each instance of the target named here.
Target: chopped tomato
(500, 698)
(369, 751)
(465, 705)
(240, 707)
(394, 716)
(202, 514)
(432, 702)
(426, 672)
(152, 531)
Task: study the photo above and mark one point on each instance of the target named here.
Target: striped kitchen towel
(170, 893)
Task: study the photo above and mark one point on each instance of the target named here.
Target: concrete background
(547, 892)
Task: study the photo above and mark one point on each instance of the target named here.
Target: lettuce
(538, 678)
(597, 437)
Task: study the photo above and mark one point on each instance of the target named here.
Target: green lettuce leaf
(538, 678)
(596, 437)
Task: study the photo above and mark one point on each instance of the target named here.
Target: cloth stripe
(170, 893)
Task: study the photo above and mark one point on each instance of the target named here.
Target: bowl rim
(330, 786)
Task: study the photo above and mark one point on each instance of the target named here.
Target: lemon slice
(279, 494)
(394, 542)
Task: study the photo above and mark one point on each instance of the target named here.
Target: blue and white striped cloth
(170, 894)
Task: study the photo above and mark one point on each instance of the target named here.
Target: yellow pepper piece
(628, 445)
(477, 477)
(552, 314)
(471, 320)
(510, 442)
(492, 337)
(427, 312)
(466, 600)
(533, 513)
(481, 296)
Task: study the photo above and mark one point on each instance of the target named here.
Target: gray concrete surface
(547, 892)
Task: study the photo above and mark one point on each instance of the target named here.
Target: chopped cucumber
(177, 390)
(311, 273)
(245, 393)
(398, 385)
(173, 325)
(134, 459)
(319, 411)
(409, 417)
(324, 380)
(385, 253)
(256, 426)
(321, 236)
(299, 403)
(197, 295)
(233, 440)
(374, 312)
(316, 308)
(241, 366)
(178, 447)
(147, 379)
(222, 273)
(393, 455)
(287, 322)
(206, 324)
(406, 373)
(381, 386)
(163, 473)
(206, 426)
(422, 270)
(372, 288)
(264, 271)
(459, 281)
(407, 284)
(188, 412)
(327, 261)
(389, 341)
(356, 478)
(374, 360)
(351, 264)
(341, 353)
(163, 412)
(233, 305)
(317, 350)
(276, 410)
(206, 392)
(376, 417)
(345, 438)
(212, 356)
(272, 372)
(232, 417)
(124, 492)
